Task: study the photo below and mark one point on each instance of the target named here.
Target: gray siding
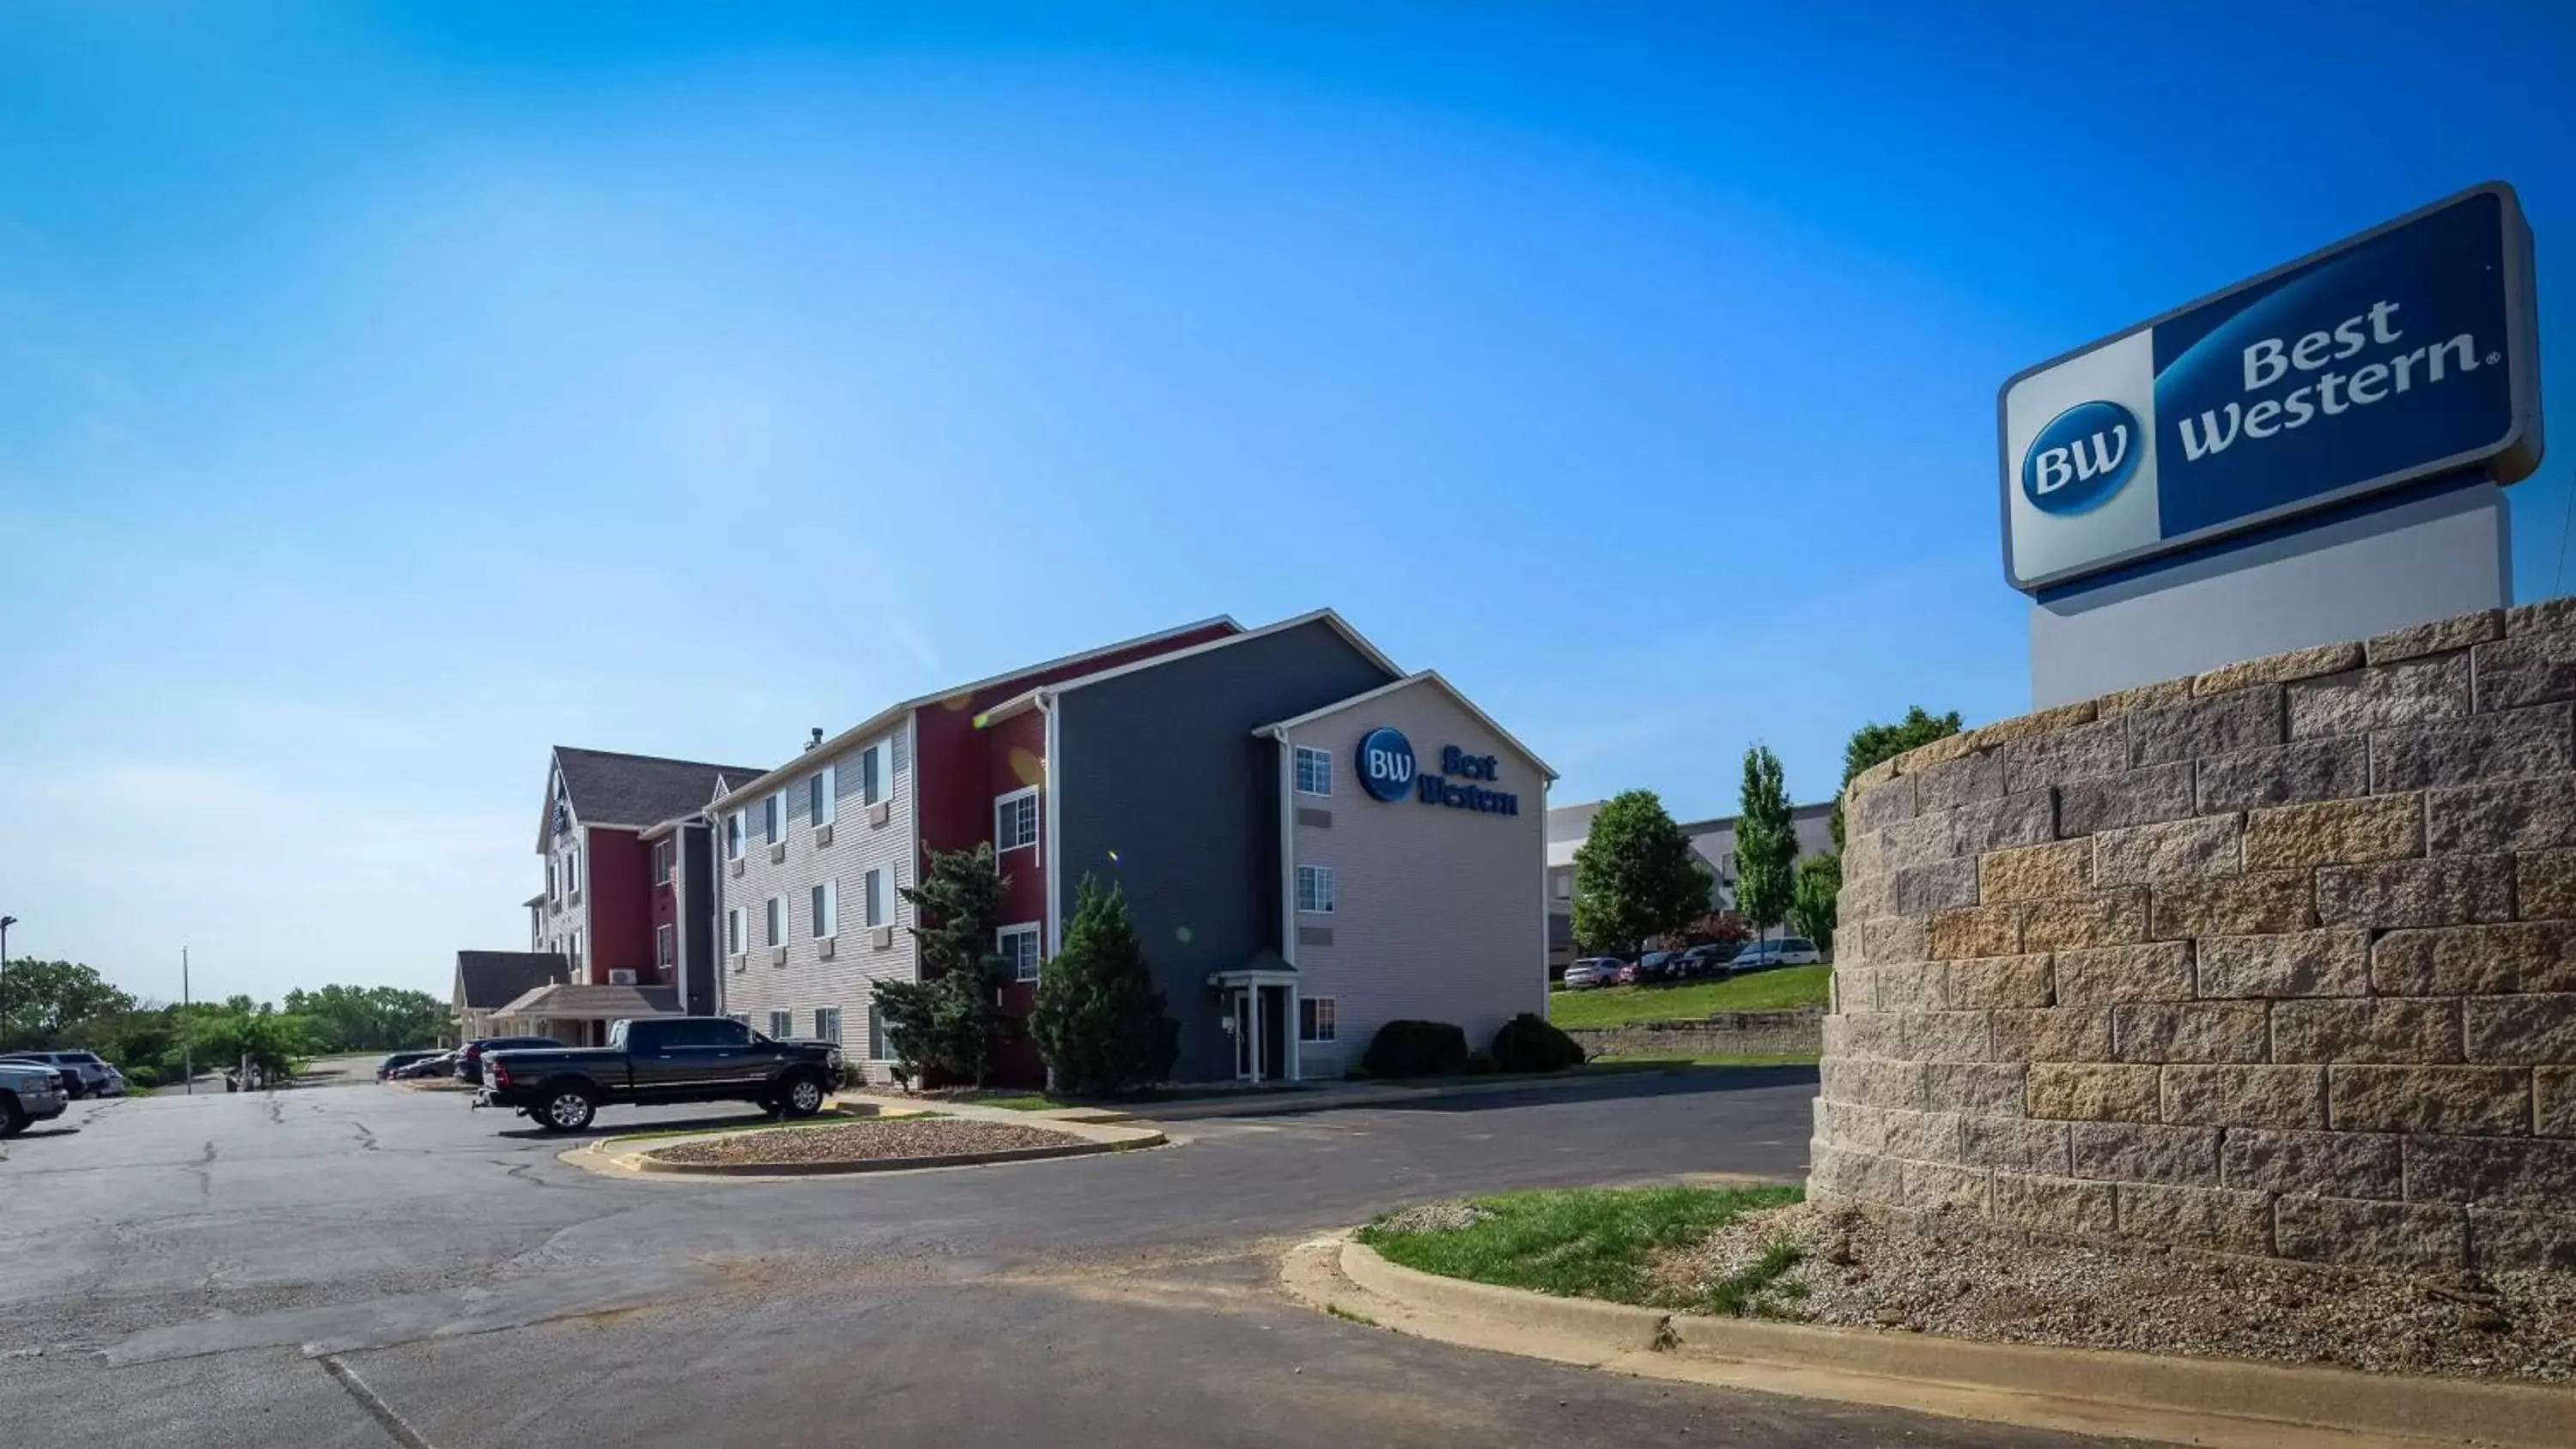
(699, 959)
(1162, 787)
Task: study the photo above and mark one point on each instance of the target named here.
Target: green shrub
(1416, 1049)
(1480, 1063)
(1529, 1043)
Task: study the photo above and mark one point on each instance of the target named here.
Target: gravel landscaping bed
(1939, 1274)
(861, 1142)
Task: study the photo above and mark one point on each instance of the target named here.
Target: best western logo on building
(2401, 355)
(1387, 773)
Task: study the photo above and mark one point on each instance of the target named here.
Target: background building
(1713, 841)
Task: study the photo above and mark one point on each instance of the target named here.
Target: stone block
(2447, 890)
(2300, 963)
(2261, 903)
(2335, 1164)
(1930, 1185)
(2542, 617)
(2132, 797)
(2363, 700)
(2537, 814)
(2553, 1101)
(2026, 818)
(2384, 1029)
(1860, 1175)
(2500, 1171)
(2210, 1218)
(1943, 885)
(2545, 884)
(2091, 1092)
(2475, 960)
(2479, 1101)
(2175, 850)
(1865, 1034)
(2055, 1205)
(2014, 1144)
(2502, 1240)
(1917, 842)
(1911, 986)
(2035, 762)
(2426, 1237)
(2033, 873)
(1879, 806)
(2335, 832)
(1926, 1136)
(2143, 1152)
(2537, 741)
(2279, 668)
(1946, 1036)
(1878, 774)
(2526, 669)
(2113, 918)
(1977, 931)
(1950, 784)
(2210, 724)
(2442, 635)
(2524, 1030)
(2211, 1031)
(2055, 1034)
(2245, 1096)
(1989, 981)
(2100, 975)
(1895, 938)
(1872, 1084)
(1986, 1089)
(2324, 769)
(2052, 720)
(2143, 696)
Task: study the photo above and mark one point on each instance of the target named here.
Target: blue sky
(388, 392)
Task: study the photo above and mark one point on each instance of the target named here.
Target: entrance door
(1245, 1069)
(1274, 1033)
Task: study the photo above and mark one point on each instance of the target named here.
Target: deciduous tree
(1635, 876)
(1766, 844)
(1812, 908)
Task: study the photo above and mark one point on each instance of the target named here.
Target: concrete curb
(2228, 1404)
(1318, 1099)
(1089, 1141)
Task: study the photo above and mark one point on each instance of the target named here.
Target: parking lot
(373, 1264)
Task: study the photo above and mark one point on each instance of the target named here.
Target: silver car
(28, 1093)
(90, 1070)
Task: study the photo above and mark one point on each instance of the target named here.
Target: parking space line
(369, 1400)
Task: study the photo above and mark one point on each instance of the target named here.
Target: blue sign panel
(1386, 764)
(2402, 354)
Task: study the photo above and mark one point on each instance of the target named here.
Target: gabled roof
(891, 713)
(631, 792)
(1021, 703)
(1428, 676)
(593, 1003)
(488, 980)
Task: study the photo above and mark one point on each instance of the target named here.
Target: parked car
(67, 1080)
(1787, 951)
(29, 1092)
(656, 1059)
(386, 1069)
(1708, 960)
(1590, 972)
(1626, 975)
(441, 1065)
(1659, 966)
(469, 1057)
(89, 1073)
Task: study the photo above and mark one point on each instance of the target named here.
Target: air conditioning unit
(823, 948)
(880, 813)
(621, 976)
(822, 836)
(778, 853)
(881, 938)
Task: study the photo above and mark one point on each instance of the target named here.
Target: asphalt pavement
(371, 1265)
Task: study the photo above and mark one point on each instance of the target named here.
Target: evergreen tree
(1100, 1023)
(1812, 903)
(1766, 845)
(946, 1022)
(1635, 876)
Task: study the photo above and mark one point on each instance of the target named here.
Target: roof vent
(817, 740)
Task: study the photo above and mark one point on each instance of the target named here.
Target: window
(661, 862)
(876, 1036)
(1315, 889)
(827, 1024)
(1315, 1018)
(1018, 947)
(1015, 820)
(733, 931)
(666, 946)
(880, 898)
(872, 773)
(782, 1025)
(574, 956)
(773, 817)
(827, 908)
(818, 797)
(554, 883)
(1314, 771)
(776, 922)
(733, 836)
(572, 871)
(1564, 884)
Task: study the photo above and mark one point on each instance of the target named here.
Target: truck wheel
(13, 1118)
(804, 1095)
(568, 1108)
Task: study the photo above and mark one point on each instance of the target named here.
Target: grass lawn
(1774, 990)
(1584, 1242)
(1711, 1059)
(757, 1124)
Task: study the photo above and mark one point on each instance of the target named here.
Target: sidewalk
(1322, 1098)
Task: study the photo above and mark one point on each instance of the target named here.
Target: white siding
(1438, 912)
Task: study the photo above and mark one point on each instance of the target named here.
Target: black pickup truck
(658, 1059)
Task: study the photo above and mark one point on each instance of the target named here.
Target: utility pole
(5, 923)
(187, 1029)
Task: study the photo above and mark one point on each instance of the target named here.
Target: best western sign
(1387, 772)
(2400, 355)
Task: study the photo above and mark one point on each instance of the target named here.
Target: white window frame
(737, 936)
(573, 954)
(819, 808)
(554, 880)
(1322, 761)
(773, 818)
(827, 1024)
(1002, 938)
(774, 922)
(1314, 884)
(824, 901)
(737, 830)
(878, 885)
(1564, 886)
(1318, 1020)
(572, 870)
(875, 1044)
(1011, 803)
(875, 768)
(782, 1024)
(666, 946)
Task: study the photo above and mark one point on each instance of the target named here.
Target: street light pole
(187, 1029)
(5, 923)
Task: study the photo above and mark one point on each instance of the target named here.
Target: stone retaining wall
(1726, 1033)
(2280, 959)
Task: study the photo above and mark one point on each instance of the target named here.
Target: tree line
(66, 1006)
(1637, 881)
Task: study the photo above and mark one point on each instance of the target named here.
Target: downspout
(1288, 899)
(1048, 842)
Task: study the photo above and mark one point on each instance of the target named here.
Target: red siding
(621, 911)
